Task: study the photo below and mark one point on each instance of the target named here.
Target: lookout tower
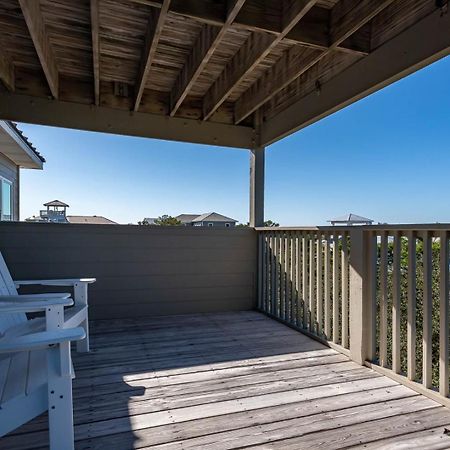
(55, 212)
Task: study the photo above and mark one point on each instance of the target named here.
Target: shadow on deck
(232, 380)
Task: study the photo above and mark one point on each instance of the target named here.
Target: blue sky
(386, 157)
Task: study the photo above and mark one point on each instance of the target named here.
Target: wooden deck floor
(234, 380)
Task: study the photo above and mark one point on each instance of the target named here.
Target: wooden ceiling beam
(43, 111)
(156, 23)
(95, 50)
(6, 72)
(257, 16)
(205, 46)
(257, 47)
(279, 76)
(31, 11)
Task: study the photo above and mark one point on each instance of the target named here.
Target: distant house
(16, 153)
(211, 219)
(94, 220)
(350, 220)
(56, 212)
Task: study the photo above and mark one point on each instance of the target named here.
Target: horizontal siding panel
(155, 295)
(163, 308)
(140, 271)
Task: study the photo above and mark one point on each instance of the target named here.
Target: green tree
(167, 220)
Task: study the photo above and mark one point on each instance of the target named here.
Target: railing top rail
(379, 227)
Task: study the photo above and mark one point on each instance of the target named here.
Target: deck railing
(379, 294)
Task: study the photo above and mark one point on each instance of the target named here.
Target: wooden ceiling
(233, 62)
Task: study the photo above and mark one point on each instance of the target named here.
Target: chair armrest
(34, 297)
(61, 282)
(11, 304)
(41, 340)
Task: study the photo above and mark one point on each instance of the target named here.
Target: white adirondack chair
(36, 368)
(73, 317)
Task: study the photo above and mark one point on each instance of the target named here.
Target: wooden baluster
(277, 274)
(335, 287)
(327, 306)
(443, 314)
(396, 294)
(427, 310)
(305, 280)
(344, 270)
(319, 292)
(260, 270)
(292, 283)
(297, 278)
(372, 266)
(287, 252)
(273, 275)
(312, 271)
(412, 310)
(383, 298)
(267, 272)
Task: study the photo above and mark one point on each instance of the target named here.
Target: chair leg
(60, 410)
(83, 345)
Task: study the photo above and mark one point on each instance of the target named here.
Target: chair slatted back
(7, 287)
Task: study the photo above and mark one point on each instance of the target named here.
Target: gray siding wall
(140, 271)
(217, 224)
(10, 171)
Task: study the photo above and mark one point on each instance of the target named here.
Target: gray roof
(213, 217)
(56, 203)
(96, 220)
(187, 218)
(25, 140)
(351, 218)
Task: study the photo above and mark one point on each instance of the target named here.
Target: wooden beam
(206, 44)
(6, 72)
(95, 49)
(156, 23)
(399, 57)
(43, 111)
(259, 17)
(277, 78)
(31, 11)
(257, 47)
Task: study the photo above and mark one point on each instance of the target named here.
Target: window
(227, 225)
(210, 224)
(6, 212)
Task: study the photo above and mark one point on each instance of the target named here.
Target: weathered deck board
(226, 381)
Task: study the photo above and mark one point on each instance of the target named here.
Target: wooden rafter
(256, 48)
(6, 72)
(31, 11)
(95, 49)
(382, 67)
(155, 26)
(278, 77)
(206, 44)
(252, 17)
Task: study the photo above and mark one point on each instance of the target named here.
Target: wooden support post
(360, 331)
(257, 187)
